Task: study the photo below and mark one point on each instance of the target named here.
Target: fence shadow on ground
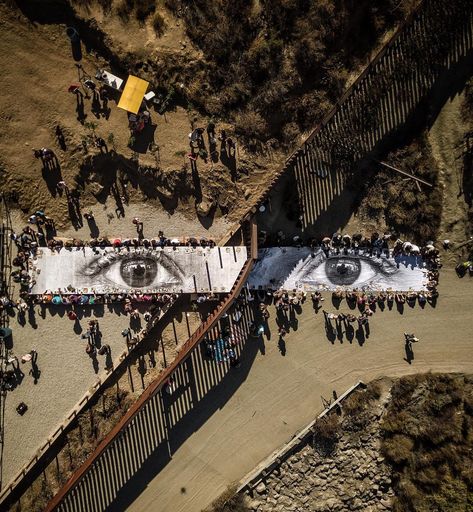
(390, 105)
(146, 446)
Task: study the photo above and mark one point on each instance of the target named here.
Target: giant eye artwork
(300, 268)
(142, 268)
(177, 270)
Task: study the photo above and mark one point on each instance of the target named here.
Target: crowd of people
(228, 145)
(29, 240)
(387, 244)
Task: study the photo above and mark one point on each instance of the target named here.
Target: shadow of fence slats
(157, 424)
(392, 93)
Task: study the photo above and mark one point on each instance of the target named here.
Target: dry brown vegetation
(467, 178)
(405, 207)
(274, 67)
(284, 61)
(229, 501)
(428, 440)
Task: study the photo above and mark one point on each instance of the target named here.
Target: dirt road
(280, 395)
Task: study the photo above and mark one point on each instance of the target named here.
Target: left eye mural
(137, 269)
(178, 270)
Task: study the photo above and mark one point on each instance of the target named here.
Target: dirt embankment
(38, 112)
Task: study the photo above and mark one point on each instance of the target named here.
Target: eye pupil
(342, 271)
(139, 272)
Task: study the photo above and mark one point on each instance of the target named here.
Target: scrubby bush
(250, 125)
(293, 57)
(144, 8)
(398, 448)
(159, 24)
(325, 433)
(405, 209)
(427, 441)
(229, 501)
(123, 8)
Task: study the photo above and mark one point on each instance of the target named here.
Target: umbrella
(117, 241)
(57, 299)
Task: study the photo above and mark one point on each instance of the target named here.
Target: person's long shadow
(330, 332)
(339, 332)
(349, 332)
(77, 326)
(351, 303)
(400, 307)
(282, 346)
(230, 163)
(108, 360)
(336, 301)
(80, 109)
(360, 336)
(35, 372)
(196, 182)
(52, 176)
(96, 106)
(95, 363)
(76, 50)
(21, 318)
(135, 324)
(32, 318)
(293, 321)
(202, 387)
(267, 331)
(94, 229)
(260, 343)
(409, 353)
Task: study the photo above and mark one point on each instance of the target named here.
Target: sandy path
(67, 371)
(280, 395)
(446, 140)
(66, 374)
(153, 219)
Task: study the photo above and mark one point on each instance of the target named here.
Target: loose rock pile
(354, 477)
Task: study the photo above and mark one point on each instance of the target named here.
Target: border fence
(388, 95)
(146, 428)
(385, 98)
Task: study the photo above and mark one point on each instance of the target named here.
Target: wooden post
(131, 378)
(408, 174)
(254, 239)
(164, 353)
(187, 323)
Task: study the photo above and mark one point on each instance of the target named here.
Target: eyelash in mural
(345, 270)
(142, 268)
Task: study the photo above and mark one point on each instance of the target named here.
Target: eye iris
(342, 271)
(139, 272)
